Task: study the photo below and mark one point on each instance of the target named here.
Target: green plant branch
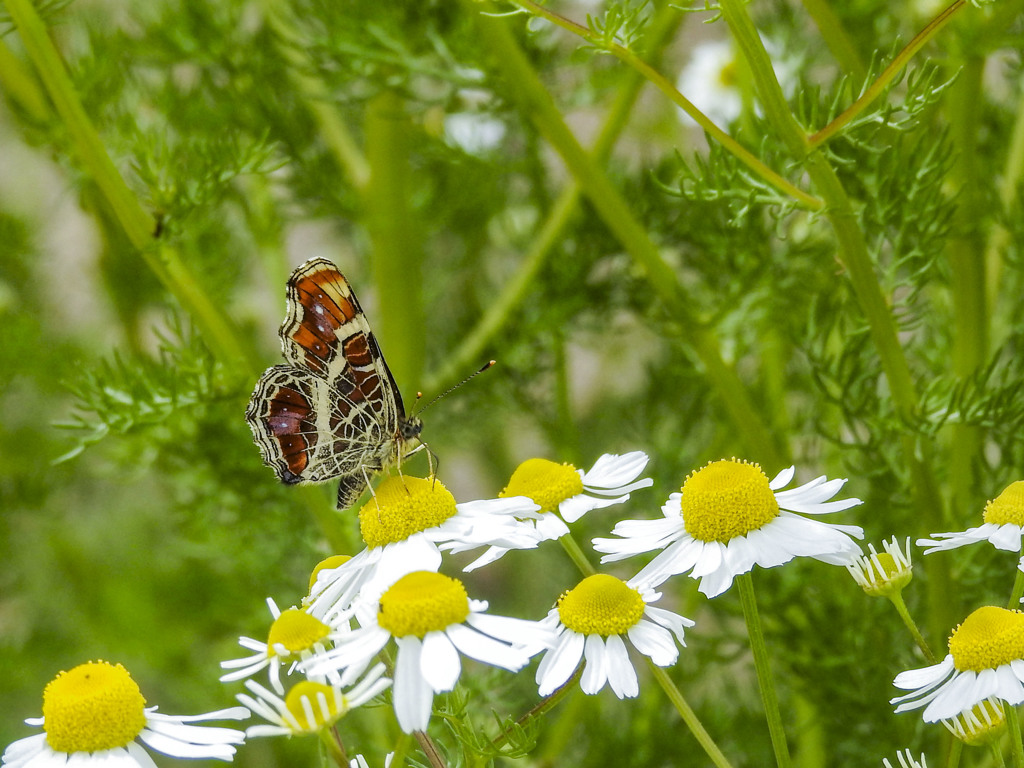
(888, 75)
(525, 88)
(664, 85)
(138, 225)
(908, 621)
(549, 233)
(19, 84)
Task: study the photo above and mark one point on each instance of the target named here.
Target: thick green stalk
(525, 88)
(835, 37)
(396, 237)
(965, 249)
(17, 81)
(515, 291)
(1013, 723)
(762, 665)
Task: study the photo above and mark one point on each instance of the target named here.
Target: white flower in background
(404, 526)
(294, 635)
(711, 79)
(985, 660)
(1002, 527)
(475, 133)
(885, 574)
(593, 620)
(982, 724)
(95, 717)
(563, 494)
(906, 761)
(360, 762)
(729, 518)
(432, 620)
(310, 706)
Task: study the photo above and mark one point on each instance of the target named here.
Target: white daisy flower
(985, 659)
(729, 518)
(403, 526)
(294, 635)
(432, 620)
(711, 79)
(564, 494)
(1004, 523)
(310, 706)
(593, 620)
(906, 761)
(881, 575)
(96, 715)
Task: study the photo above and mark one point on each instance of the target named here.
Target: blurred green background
(138, 524)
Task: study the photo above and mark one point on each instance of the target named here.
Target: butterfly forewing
(334, 410)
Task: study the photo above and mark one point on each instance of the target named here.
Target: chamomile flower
(885, 574)
(985, 659)
(1002, 527)
(403, 526)
(728, 518)
(294, 635)
(96, 715)
(432, 620)
(593, 620)
(310, 706)
(564, 494)
(360, 762)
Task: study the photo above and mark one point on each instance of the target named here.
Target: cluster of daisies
(387, 624)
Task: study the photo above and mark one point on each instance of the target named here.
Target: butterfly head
(410, 427)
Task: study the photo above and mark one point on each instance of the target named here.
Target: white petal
(19, 752)
(595, 673)
(671, 621)
(611, 471)
(439, 662)
(621, 675)
(1006, 537)
(521, 632)
(136, 757)
(1008, 687)
(572, 509)
(654, 642)
(925, 677)
(952, 698)
(180, 746)
(712, 554)
(560, 662)
(782, 479)
(479, 646)
(413, 696)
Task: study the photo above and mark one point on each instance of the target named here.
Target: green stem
(997, 754)
(332, 742)
(1013, 722)
(525, 87)
(396, 237)
(666, 86)
(545, 705)
(911, 625)
(838, 42)
(888, 75)
(577, 555)
(745, 584)
(499, 310)
(956, 749)
(1017, 593)
(689, 716)
(17, 81)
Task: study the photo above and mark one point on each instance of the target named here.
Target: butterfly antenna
(452, 388)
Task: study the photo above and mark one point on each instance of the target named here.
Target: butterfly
(333, 409)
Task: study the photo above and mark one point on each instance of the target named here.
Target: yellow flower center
(1007, 507)
(422, 602)
(297, 631)
(988, 638)
(546, 482)
(600, 605)
(95, 706)
(726, 499)
(325, 706)
(403, 506)
(327, 564)
(983, 724)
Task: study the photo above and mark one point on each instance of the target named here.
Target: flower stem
(665, 85)
(1013, 723)
(542, 707)
(330, 738)
(1018, 591)
(745, 584)
(908, 621)
(577, 555)
(689, 716)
